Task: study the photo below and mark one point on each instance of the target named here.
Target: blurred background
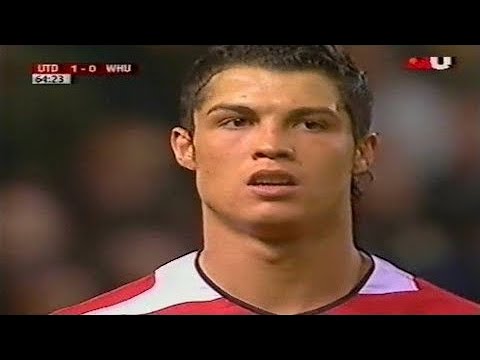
(90, 196)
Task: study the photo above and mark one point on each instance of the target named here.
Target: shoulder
(392, 290)
(171, 285)
(111, 298)
(437, 300)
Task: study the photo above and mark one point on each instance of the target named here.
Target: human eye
(313, 125)
(235, 123)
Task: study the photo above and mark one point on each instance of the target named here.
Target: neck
(300, 272)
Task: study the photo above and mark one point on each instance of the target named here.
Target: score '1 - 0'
(91, 68)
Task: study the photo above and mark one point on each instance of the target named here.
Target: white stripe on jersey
(176, 282)
(387, 278)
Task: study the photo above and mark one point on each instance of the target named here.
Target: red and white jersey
(181, 288)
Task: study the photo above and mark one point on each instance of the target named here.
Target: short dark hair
(332, 60)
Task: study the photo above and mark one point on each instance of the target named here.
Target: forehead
(260, 86)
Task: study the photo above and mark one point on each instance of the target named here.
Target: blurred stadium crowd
(91, 197)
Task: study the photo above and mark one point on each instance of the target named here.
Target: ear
(365, 154)
(181, 142)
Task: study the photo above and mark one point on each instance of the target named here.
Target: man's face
(270, 147)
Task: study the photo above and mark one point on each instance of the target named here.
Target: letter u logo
(441, 63)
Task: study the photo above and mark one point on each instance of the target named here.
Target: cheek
(212, 156)
(217, 164)
(332, 160)
(221, 151)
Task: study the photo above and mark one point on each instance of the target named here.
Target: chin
(279, 214)
(275, 228)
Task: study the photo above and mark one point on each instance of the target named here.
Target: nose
(272, 143)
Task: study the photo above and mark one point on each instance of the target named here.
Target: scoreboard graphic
(65, 73)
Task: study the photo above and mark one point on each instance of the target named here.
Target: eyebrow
(324, 110)
(301, 111)
(231, 107)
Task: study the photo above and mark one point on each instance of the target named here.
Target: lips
(272, 178)
(273, 185)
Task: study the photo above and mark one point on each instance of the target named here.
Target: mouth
(272, 184)
(272, 178)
